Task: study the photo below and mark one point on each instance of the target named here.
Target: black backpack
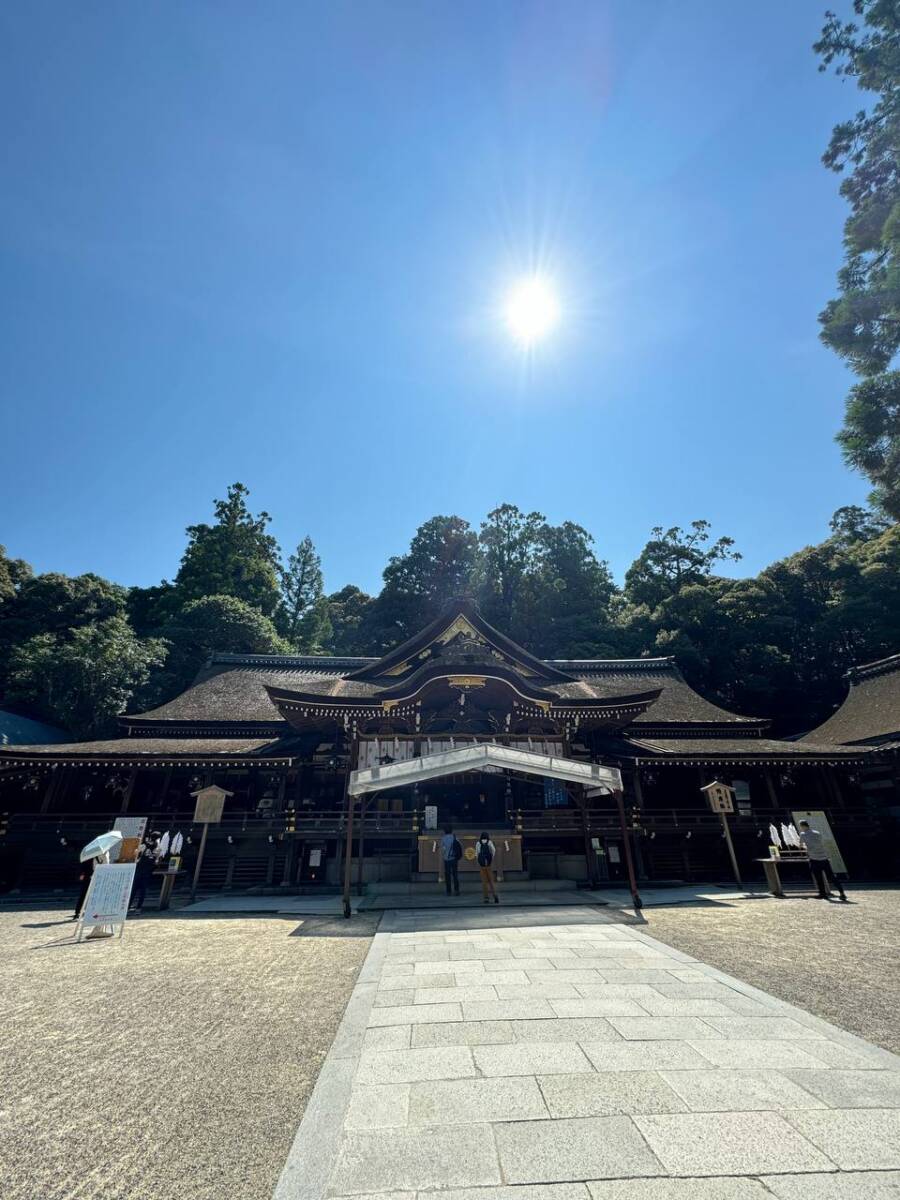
(457, 850)
(485, 854)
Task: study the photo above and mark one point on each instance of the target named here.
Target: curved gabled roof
(678, 703)
(458, 616)
(232, 689)
(871, 711)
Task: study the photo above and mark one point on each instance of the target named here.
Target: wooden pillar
(54, 786)
(129, 788)
(360, 844)
(770, 787)
(338, 858)
(167, 783)
(632, 882)
(229, 870)
(833, 786)
(349, 802)
(590, 858)
(639, 804)
(288, 860)
(638, 788)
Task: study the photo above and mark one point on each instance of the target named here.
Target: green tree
(442, 562)
(13, 573)
(235, 556)
(347, 613)
(55, 604)
(570, 594)
(83, 681)
(863, 323)
(853, 523)
(511, 542)
(151, 607)
(214, 624)
(302, 615)
(673, 559)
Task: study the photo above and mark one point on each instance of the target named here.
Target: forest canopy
(79, 651)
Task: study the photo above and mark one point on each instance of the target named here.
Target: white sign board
(132, 830)
(431, 816)
(107, 900)
(818, 820)
(131, 827)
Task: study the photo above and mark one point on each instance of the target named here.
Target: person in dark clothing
(143, 874)
(86, 870)
(451, 852)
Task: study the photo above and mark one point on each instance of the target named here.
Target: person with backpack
(451, 852)
(485, 851)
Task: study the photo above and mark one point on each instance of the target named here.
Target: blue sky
(269, 243)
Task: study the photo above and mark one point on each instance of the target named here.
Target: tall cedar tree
(863, 323)
(302, 615)
(233, 557)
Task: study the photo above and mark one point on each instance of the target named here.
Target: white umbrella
(101, 845)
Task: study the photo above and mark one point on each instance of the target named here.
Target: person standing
(814, 844)
(485, 851)
(143, 875)
(86, 870)
(451, 852)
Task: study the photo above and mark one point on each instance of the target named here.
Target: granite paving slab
(407, 1066)
(855, 1139)
(465, 1033)
(848, 1185)
(585, 1061)
(531, 1058)
(679, 1189)
(607, 1093)
(471, 1101)
(734, 1143)
(582, 1148)
(395, 1158)
(850, 1089)
(740, 1091)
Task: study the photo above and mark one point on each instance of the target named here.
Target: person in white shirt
(814, 844)
(484, 853)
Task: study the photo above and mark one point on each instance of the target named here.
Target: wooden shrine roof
(160, 749)
(871, 711)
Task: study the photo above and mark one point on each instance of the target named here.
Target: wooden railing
(309, 822)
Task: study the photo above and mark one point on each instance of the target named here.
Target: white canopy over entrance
(477, 758)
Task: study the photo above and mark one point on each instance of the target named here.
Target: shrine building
(282, 736)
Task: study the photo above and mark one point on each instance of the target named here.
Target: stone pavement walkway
(566, 1055)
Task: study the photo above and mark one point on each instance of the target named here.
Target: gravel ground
(176, 1063)
(839, 961)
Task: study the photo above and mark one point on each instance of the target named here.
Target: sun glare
(531, 310)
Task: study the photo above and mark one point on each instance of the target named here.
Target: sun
(531, 310)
